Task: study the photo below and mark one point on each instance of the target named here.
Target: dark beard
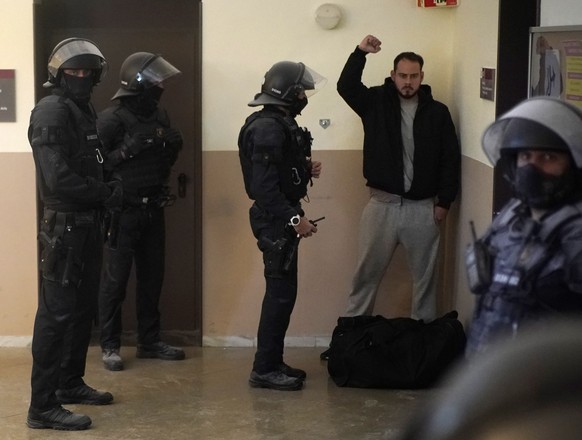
(414, 93)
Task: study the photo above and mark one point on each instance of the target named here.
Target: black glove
(135, 144)
(173, 137)
(115, 199)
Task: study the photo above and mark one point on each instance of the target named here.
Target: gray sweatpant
(387, 221)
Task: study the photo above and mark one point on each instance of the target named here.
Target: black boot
(57, 418)
(292, 372)
(85, 395)
(275, 380)
(160, 350)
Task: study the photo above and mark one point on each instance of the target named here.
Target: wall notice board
(7, 96)
(555, 67)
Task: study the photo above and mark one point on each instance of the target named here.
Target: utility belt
(160, 201)
(509, 305)
(69, 219)
(60, 259)
(160, 198)
(268, 216)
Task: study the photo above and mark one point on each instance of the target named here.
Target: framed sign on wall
(555, 67)
(7, 95)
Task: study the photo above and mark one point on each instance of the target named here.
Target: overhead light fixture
(328, 16)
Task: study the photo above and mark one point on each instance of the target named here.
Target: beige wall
(455, 42)
(18, 279)
(475, 44)
(232, 303)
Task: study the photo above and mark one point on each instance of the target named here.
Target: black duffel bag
(400, 353)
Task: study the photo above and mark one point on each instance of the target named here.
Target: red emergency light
(437, 3)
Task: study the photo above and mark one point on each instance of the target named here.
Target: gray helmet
(75, 53)
(527, 388)
(143, 70)
(284, 81)
(540, 122)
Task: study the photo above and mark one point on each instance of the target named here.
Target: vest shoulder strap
(130, 120)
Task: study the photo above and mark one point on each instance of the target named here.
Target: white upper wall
(16, 49)
(560, 12)
(476, 29)
(243, 39)
(242, 42)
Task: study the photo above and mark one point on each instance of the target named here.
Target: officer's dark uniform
(528, 265)
(70, 178)
(69, 174)
(535, 272)
(275, 155)
(273, 150)
(140, 229)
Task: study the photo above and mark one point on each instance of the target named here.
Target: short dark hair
(410, 56)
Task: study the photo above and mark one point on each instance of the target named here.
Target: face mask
(296, 107)
(78, 88)
(146, 102)
(540, 190)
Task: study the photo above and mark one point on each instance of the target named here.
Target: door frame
(515, 20)
(41, 54)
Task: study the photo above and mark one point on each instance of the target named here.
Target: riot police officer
(140, 147)
(275, 156)
(528, 265)
(69, 177)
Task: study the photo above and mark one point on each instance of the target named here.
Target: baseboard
(188, 339)
(15, 341)
(238, 341)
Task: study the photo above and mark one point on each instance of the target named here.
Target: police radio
(478, 264)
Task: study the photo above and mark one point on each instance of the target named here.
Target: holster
(51, 246)
(112, 228)
(59, 262)
(274, 254)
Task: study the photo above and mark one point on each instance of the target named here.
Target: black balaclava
(77, 88)
(297, 106)
(534, 187)
(146, 102)
(543, 191)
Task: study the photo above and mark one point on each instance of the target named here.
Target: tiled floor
(207, 397)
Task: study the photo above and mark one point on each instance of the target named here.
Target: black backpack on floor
(400, 353)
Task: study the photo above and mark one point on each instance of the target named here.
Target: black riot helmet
(141, 71)
(542, 123)
(284, 82)
(75, 53)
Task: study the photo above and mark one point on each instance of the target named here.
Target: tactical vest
(146, 173)
(291, 161)
(525, 250)
(79, 139)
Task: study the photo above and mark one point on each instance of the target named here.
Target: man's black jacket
(436, 153)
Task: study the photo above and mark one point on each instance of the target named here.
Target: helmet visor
(156, 71)
(311, 81)
(75, 48)
(564, 119)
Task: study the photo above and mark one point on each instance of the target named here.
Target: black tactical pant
(140, 237)
(67, 306)
(280, 292)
